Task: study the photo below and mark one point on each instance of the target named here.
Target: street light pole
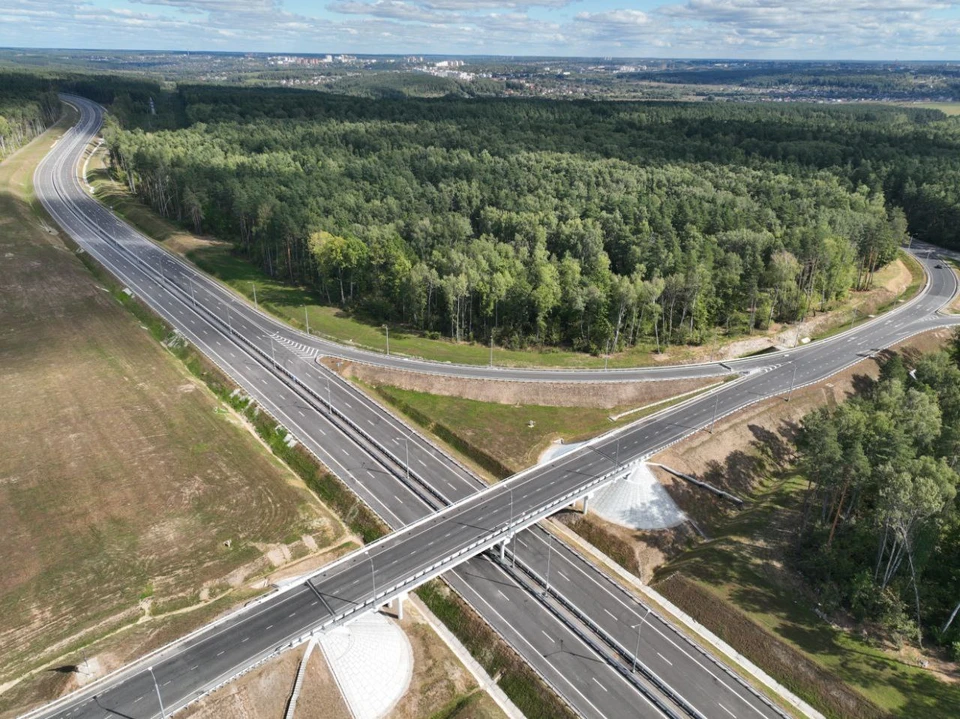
(491, 348)
(638, 627)
(306, 318)
(716, 406)
(549, 552)
(792, 382)
(387, 328)
(273, 352)
(373, 577)
(255, 303)
(193, 295)
(329, 396)
(163, 714)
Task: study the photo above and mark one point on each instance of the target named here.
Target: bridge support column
(584, 503)
(503, 548)
(399, 605)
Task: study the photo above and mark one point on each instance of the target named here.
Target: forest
(879, 534)
(592, 225)
(25, 111)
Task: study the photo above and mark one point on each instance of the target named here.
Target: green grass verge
(917, 279)
(730, 586)
(498, 437)
(517, 679)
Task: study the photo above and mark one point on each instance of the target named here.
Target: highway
(367, 448)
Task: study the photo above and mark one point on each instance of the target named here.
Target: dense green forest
(590, 225)
(26, 110)
(880, 530)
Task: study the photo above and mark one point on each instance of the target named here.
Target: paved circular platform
(372, 661)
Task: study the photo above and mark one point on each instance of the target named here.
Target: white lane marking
(563, 575)
(727, 710)
(398, 499)
(547, 635)
(611, 614)
(503, 595)
(421, 462)
(665, 659)
(221, 652)
(599, 684)
(301, 413)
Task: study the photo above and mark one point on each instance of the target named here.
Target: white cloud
(746, 28)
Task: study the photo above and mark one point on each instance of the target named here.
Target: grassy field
(502, 438)
(737, 581)
(299, 306)
(126, 489)
(947, 108)
(739, 585)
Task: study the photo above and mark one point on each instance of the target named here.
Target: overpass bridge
(467, 521)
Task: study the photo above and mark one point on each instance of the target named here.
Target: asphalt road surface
(368, 448)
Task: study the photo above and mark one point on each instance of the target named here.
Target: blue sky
(801, 29)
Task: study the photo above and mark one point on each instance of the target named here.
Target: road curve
(212, 318)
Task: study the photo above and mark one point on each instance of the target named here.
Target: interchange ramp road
(368, 448)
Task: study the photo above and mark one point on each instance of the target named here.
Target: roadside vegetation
(505, 438)
(127, 490)
(396, 215)
(517, 679)
(814, 611)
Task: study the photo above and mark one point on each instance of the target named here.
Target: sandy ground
(547, 394)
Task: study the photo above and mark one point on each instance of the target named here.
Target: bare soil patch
(605, 395)
(261, 694)
(438, 676)
(320, 696)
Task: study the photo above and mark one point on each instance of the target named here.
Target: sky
(762, 29)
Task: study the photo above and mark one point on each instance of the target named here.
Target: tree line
(26, 110)
(590, 225)
(879, 533)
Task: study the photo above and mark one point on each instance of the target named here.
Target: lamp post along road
(255, 303)
(638, 627)
(306, 318)
(546, 584)
(387, 328)
(163, 714)
(792, 382)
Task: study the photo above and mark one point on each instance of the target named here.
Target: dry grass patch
(121, 476)
(261, 694)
